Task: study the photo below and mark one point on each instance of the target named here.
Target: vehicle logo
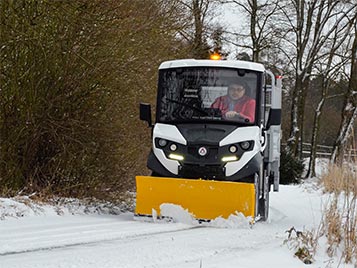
(202, 151)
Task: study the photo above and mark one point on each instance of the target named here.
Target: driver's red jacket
(244, 106)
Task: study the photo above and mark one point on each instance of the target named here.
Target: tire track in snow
(131, 237)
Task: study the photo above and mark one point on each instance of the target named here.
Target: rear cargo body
(212, 149)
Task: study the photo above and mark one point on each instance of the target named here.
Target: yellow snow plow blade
(204, 199)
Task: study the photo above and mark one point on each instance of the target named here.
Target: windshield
(210, 94)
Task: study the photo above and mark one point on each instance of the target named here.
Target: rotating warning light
(215, 56)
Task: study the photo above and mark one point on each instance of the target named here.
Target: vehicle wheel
(263, 203)
(264, 207)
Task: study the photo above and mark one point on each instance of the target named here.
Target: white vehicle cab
(217, 122)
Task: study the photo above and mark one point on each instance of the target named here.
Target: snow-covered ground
(55, 236)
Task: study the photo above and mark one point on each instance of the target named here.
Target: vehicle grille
(204, 172)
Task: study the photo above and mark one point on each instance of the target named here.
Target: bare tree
(310, 26)
(218, 40)
(260, 15)
(349, 112)
(328, 70)
(197, 30)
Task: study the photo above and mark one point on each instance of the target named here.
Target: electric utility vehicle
(201, 159)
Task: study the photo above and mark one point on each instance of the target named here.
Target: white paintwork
(171, 133)
(169, 164)
(239, 135)
(168, 132)
(213, 63)
(264, 141)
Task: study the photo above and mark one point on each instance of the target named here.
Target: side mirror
(274, 118)
(145, 113)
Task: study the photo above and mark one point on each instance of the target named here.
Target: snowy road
(119, 241)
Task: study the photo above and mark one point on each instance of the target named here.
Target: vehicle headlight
(173, 147)
(233, 149)
(245, 145)
(176, 157)
(229, 158)
(162, 142)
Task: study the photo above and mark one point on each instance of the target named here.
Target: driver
(236, 105)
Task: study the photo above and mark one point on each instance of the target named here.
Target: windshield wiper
(200, 110)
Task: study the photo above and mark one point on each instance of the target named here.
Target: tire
(263, 203)
(264, 208)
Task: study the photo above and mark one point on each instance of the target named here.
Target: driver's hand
(231, 114)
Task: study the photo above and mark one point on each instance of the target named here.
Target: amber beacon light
(215, 56)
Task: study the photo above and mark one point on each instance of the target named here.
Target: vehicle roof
(213, 63)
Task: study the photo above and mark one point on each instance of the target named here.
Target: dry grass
(340, 179)
(304, 244)
(340, 216)
(339, 221)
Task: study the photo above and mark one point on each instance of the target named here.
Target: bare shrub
(334, 232)
(71, 76)
(340, 179)
(339, 220)
(340, 217)
(304, 243)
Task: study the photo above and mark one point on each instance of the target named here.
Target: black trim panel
(157, 168)
(274, 118)
(208, 172)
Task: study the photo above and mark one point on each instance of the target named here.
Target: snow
(35, 235)
(70, 234)
(177, 213)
